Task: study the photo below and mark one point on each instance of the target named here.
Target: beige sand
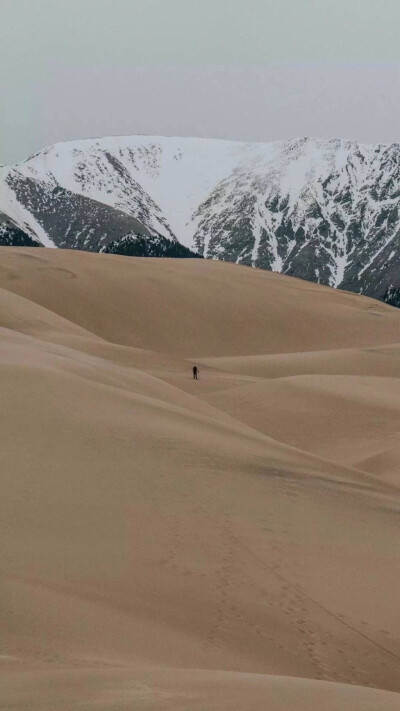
(230, 543)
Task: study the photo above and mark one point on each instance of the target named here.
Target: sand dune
(386, 460)
(179, 689)
(379, 361)
(171, 544)
(201, 309)
(343, 418)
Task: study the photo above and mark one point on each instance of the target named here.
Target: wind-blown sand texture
(230, 543)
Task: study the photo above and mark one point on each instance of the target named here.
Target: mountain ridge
(326, 210)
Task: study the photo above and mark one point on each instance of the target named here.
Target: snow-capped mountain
(323, 210)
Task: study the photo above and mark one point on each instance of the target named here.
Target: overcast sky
(242, 69)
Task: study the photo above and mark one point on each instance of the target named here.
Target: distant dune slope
(199, 307)
(230, 543)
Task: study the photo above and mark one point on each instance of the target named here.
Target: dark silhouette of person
(195, 372)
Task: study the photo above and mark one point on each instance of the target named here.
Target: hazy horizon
(254, 71)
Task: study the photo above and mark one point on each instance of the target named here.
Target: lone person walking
(195, 372)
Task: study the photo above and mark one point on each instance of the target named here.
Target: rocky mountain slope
(12, 236)
(319, 209)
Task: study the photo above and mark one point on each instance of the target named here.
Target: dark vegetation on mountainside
(12, 236)
(136, 245)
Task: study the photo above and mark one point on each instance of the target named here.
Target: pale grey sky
(244, 69)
